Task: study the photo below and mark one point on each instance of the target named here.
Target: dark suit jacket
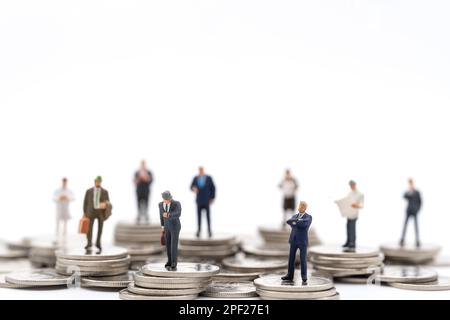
(206, 193)
(414, 202)
(142, 187)
(88, 204)
(174, 215)
(300, 227)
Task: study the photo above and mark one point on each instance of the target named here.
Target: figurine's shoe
(401, 243)
(173, 269)
(287, 278)
(418, 244)
(88, 246)
(304, 282)
(350, 249)
(167, 264)
(210, 234)
(197, 234)
(345, 245)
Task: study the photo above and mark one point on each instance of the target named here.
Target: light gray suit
(172, 227)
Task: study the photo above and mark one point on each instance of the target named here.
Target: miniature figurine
(203, 186)
(170, 212)
(414, 204)
(96, 207)
(298, 240)
(62, 197)
(289, 187)
(143, 179)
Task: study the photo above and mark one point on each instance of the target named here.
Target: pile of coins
(274, 237)
(355, 267)
(110, 261)
(42, 254)
(271, 287)
(413, 278)
(410, 255)
(253, 265)
(230, 290)
(155, 282)
(141, 240)
(215, 248)
(44, 278)
(8, 253)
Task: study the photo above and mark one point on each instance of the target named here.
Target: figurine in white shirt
(349, 207)
(62, 197)
(289, 187)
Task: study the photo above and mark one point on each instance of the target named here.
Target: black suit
(143, 194)
(299, 241)
(206, 193)
(414, 204)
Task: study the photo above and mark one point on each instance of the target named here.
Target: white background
(334, 90)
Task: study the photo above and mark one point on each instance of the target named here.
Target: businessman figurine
(170, 212)
(142, 180)
(414, 204)
(205, 189)
(298, 240)
(96, 206)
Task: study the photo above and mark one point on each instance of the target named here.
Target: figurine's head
(411, 183)
(352, 185)
(302, 207)
(167, 197)
(201, 171)
(143, 164)
(287, 174)
(64, 182)
(98, 182)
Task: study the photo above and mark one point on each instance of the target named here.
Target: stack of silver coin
(155, 282)
(8, 253)
(354, 266)
(264, 250)
(274, 237)
(43, 278)
(23, 244)
(141, 240)
(111, 261)
(42, 254)
(213, 248)
(230, 290)
(410, 255)
(109, 282)
(412, 278)
(242, 265)
(271, 287)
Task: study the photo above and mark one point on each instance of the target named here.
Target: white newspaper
(345, 207)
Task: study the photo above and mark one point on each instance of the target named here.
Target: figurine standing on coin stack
(298, 239)
(62, 197)
(203, 186)
(414, 204)
(289, 187)
(170, 212)
(96, 207)
(143, 179)
(349, 207)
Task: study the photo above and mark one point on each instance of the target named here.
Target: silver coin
(274, 283)
(4, 284)
(292, 295)
(184, 269)
(7, 266)
(253, 263)
(120, 281)
(91, 268)
(6, 253)
(353, 279)
(107, 272)
(336, 251)
(210, 241)
(406, 274)
(95, 263)
(442, 283)
(227, 275)
(38, 278)
(144, 250)
(126, 295)
(230, 290)
(424, 249)
(163, 292)
(266, 251)
(343, 260)
(137, 226)
(81, 254)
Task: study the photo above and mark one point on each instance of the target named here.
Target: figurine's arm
(85, 203)
(176, 213)
(303, 223)
(161, 211)
(213, 189)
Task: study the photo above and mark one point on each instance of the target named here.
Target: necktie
(167, 208)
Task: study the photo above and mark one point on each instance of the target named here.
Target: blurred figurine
(170, 212)
(289, 187)
(414, 204)
(349, 207)
(143, 179)
(205, 189)
(96, 206)
(62, 197)
(298, 240)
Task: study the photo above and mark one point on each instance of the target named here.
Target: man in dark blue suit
(414, 204)
(298, 239)
(203, 186)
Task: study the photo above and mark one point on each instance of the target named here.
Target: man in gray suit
(169, 213)
(96, 206)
